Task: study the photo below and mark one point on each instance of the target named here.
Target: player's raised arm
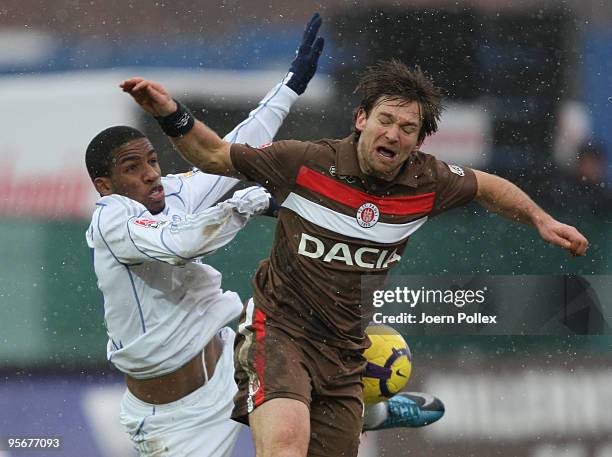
(196, 142)
(264, 121)
(506, 199)
(304, 65)
(199, 144)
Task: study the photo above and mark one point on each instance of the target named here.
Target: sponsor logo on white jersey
(457, 170)
(364, 257)
(149, 223)
(367, 215)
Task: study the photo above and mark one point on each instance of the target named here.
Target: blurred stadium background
(529, 96)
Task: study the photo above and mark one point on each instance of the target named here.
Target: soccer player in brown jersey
(348, 208)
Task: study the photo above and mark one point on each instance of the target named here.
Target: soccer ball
(389, 364)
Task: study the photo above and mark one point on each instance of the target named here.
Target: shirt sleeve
(264, 121)
(274, 166)
(196, 189)
(455, 186)
(204, 190)
(133, 235)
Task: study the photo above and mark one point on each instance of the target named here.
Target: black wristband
(178, 123)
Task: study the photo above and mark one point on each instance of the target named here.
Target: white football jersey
(161, 304)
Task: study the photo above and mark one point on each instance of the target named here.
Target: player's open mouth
(157, 193)
(384, 152)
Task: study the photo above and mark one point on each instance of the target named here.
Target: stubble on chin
(367, 169)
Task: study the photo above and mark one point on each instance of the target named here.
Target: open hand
(151, 96)
(304, 65)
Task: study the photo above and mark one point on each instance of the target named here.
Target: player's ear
(103, 185)
(360, 119)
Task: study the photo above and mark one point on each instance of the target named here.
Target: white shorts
(196, 425)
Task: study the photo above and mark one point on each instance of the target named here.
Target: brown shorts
(270, 363)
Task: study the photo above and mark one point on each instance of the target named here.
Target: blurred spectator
(584, 189)
(591, 165)
(573, 130)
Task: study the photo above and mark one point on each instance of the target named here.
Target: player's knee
(289, 440)
(283, 449)
(281, 428)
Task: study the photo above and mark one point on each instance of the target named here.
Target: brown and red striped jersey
(336, 225)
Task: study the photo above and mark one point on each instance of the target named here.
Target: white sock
(374, 415)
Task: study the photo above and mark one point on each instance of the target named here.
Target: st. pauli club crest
(367, 215)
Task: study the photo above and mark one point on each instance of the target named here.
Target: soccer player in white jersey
(165, 312)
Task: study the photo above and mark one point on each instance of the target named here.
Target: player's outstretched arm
(506, 199)
(197, 143)
(137, 239)
(263, 122)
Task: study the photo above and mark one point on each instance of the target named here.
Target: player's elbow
(217, 160)
(183, 254)
(180, 248)
(219, 165)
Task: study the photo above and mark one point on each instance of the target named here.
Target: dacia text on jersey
(364, 257)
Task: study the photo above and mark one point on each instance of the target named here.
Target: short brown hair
(392, 79)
